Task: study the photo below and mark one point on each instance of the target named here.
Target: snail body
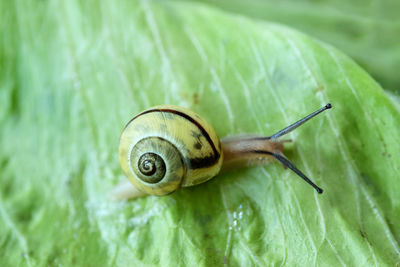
(167, 147)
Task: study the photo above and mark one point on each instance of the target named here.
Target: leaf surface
(72, 79)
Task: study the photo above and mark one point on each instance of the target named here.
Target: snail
(167, 147)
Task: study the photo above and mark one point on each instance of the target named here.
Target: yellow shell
(166, 147)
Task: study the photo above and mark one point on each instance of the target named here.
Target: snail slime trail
(167, 147)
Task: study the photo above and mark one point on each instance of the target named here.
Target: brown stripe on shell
(199, 163)
(195, 163)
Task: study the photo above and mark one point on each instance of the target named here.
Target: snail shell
(168, 147)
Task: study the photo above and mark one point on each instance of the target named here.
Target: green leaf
(74, 73)
(367, 31)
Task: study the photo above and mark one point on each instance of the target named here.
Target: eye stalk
(287, 130)
(256, 150)
(299, 122)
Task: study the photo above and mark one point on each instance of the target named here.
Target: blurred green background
(368, 31)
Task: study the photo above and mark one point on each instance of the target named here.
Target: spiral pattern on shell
(152, 167)
(166, 147)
